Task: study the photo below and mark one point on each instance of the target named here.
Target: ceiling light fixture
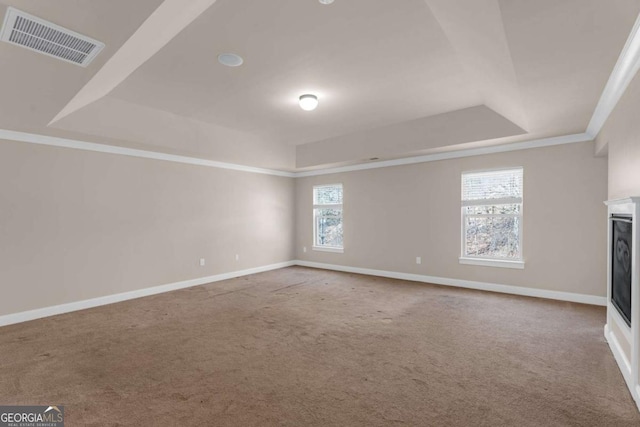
(230, 59)
(326, 1)
(308, 102)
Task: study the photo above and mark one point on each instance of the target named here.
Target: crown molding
(113, 149)
(620, 78)
(524, 145)
(624, 71)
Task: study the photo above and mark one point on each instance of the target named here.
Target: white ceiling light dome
(326, 1)
(230, 59)
(308, 102)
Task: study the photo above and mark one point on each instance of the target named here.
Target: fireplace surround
(622, 330)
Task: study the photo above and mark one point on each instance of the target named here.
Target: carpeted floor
(301, 347)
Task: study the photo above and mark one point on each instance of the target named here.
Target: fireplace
(622, 330)
(621, 247)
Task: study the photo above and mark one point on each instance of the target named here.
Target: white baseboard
(483, 286)
(623, 363)
(39, 313)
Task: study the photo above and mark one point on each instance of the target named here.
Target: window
(492, 218)
(327, 218)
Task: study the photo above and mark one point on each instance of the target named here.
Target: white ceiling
(394, 78)
(371, 63)
(35, 87)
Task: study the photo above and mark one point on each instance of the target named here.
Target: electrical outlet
(201, 262)
(418, 260)
(237, 257)
(304, 249)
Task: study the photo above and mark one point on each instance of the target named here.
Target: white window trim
(516, 263)
(315, 247)
(490, 262)
(328, 249)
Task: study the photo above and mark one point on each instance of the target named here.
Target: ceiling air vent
(37, 34)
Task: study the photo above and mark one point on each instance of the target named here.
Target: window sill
(327, 249)
(492, 262)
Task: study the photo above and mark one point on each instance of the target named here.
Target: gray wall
(76, 224)
(621, 133)
(392, 215)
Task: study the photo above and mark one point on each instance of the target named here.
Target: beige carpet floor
(305, 347)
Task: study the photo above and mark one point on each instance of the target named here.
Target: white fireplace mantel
(623, 340)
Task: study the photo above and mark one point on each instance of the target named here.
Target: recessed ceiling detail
(403, 79)
(36, 34)
(169, 19)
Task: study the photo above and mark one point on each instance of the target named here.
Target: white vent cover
(36, 34)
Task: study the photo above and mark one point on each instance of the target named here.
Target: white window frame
(487, 261)
(316, 207)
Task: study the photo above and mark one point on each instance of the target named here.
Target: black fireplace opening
(621, 251)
